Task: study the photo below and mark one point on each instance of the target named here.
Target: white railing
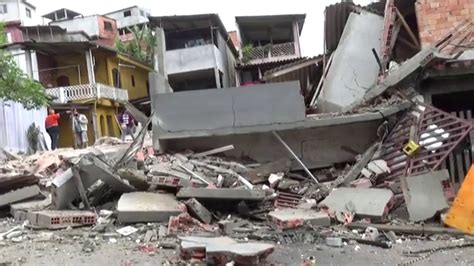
(275, 50)
(87, 91)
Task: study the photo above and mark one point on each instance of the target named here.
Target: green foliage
(247, 53)
(15, 85)
(141, 46)
(32, 134)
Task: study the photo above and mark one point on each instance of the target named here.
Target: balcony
(193, 59)
(269, 53)
(87, 91)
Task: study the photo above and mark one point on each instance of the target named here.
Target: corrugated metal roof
(276, 62)
(307, 71)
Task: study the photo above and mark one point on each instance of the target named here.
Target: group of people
(80, 126)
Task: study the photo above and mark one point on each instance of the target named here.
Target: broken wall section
(354, 68)
(268, 104)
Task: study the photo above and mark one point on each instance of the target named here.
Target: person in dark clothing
(127, 124)
(52, 127)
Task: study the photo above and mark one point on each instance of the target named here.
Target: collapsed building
(361, 134)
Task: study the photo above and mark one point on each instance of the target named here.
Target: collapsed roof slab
(354, 69)
(319, 142)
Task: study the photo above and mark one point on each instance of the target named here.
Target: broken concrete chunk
(19, 195)
(200, 212)
(147, 207)
(260, 174)
(20, 210)
(291, 218)
(286, 184)
(127, 230)
(136, 178)
(221, 194)
(94, 167)
(52, 219)
(64, 189)
(425, 195)
(214, 151)
(367, 202)
(334, 242)
(222, 250)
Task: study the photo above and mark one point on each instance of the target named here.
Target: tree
(15, 85)
(141, 46)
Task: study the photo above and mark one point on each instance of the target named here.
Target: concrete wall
(226, 62)
(135, 19)
(140, 75)
(192, 59)
(88, 24)
(267, 104)
(16, 11)
(317, 147)
(438, 17)
(354, 69)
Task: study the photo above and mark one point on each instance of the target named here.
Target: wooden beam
(408, 29)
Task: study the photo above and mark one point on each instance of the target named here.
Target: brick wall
(438, 17)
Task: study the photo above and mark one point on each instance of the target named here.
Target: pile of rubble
(220, 210)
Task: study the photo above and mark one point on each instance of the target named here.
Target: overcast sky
(312, 35)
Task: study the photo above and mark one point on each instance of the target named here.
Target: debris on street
(356, 158)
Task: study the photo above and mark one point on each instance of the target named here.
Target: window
(127, 13)
(108, 26)
(142, 13)
(116, 77)
(133, 81)
(3, 9)
(28, 12)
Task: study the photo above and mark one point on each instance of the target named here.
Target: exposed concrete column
(160, 50)
(218, 78)
(296, 34)
(29, 63)
(158, 85)
(90, 67)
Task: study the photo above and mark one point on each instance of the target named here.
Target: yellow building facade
(92, 79)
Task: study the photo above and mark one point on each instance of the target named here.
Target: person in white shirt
(80, 129)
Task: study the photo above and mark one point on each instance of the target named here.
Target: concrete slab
(19, 195)
(200, 212)
(354, 69)
(291, 218)
(221, 194)
(425, 195)
(267, 104)
(138, 207)
(368, 202)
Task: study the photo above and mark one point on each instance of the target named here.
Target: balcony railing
(271, 51)
(87, 91)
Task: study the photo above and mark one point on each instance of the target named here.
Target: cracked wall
(354, 68)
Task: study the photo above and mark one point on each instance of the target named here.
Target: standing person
(127, 123)
(51, 124)
(80, 129)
